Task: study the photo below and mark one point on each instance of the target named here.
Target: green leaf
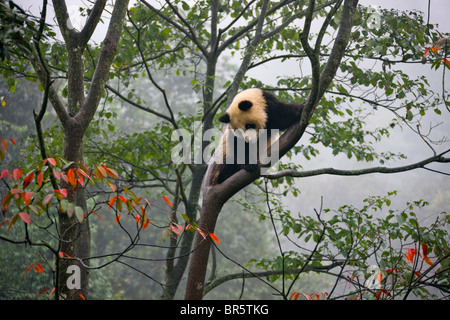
(79, 213)
(185, 6)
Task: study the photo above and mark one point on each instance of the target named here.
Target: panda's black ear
(244, 105)
(225, 118)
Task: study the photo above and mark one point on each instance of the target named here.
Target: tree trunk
(74, 236)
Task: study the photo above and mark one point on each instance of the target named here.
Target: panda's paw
(250, 167)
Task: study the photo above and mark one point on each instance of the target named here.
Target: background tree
(76, 117)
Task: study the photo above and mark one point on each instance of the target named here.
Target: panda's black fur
(254, 109)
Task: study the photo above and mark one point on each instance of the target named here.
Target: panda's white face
(246, 114)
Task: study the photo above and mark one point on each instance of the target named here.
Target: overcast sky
(438, 14)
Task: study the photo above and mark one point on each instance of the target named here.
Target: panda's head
(247, 114)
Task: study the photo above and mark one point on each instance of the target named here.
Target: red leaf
(39, 268)
(410, 255)
(379, 277)
(26, 196)
(101, 172)
(307, 296)
(112, 187)
(118, 218)
(25, 217)
(82, 297)
(15, 192)
(43, 290)
(168, 201)
(111, 202)
(27, 180)
(379, 294)
(48, 199)
(97, 215)
(214, 237)
(29, 267)
(174, 229)
(40, 178)
(62, 192)
(294, 295)
(51, 292)
(13, 221)
(425, 253)
(72, 178)
(84, 173)
(17, 173)
(5, 172)
(3, 144)
(446, 61)
(4, 222)
(62, 255)
(202, 233)
(6, 201)
(111, 172)
(51, 160)
(64, 177)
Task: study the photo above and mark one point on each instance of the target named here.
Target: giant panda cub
(251, 111)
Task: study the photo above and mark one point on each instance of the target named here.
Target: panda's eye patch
(250, 126)
(245, 105)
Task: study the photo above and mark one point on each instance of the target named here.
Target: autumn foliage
(31, 195)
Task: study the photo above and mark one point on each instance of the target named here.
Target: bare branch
(190, 32)
(356, 172)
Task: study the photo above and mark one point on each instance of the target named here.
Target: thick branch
(294, 133)
(262, 274)
(62, 16)
(43, 77)
(92, 21)
(356, 172)
(105, 60)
